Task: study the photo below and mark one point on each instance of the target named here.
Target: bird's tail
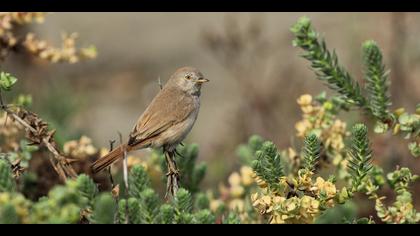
(109, 158)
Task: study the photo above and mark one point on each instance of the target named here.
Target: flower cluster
(301, 200)
(236, 195)
(10, 21)
(409, 126)
(67, 53)
(320, 118)
(80, 149)
(402, 210)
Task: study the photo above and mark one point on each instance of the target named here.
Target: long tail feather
(109, 158)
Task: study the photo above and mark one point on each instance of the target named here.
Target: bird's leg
(172, 175)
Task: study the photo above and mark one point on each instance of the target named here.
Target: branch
(37, 132)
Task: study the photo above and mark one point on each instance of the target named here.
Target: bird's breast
(178, 132)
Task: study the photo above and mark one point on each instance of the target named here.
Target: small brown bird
(165, 122)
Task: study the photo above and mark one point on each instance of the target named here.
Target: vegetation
(317, 181)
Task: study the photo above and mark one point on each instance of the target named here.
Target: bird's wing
(168, 108)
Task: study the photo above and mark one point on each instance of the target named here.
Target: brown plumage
(167, 120)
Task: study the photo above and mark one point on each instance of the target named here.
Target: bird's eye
(187, 76)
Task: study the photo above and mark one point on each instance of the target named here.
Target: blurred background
(256, 74)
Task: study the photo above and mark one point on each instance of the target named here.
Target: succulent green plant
(267, 164)
(7, 183)
(377, 82)
(311, 152)
(325, 64)
(360, 155)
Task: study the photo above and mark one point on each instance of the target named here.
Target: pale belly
(178, 132)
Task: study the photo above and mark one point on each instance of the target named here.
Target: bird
(165, 122)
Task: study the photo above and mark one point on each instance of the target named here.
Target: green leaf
(167, 214)
(139, 180)
(134, 212)
(149, 206)
(201, 201)
(380, 127)
(204, 217)
(7, 184)
(360, 155)
(7, 81)
(86, 186)
(104, 209)
(311, 151)
(8, 214)
(232, 218)
(183, 200)
(268, 164)
(414, 149)
(377, 82)
(325, 63)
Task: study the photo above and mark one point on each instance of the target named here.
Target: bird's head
(189, 79)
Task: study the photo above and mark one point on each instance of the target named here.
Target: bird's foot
(172, 184)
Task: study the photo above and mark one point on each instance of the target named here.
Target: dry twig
(38, 134)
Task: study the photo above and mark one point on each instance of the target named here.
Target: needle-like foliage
(324, 63)
(360, 155)
(377, 81)
(311, 151)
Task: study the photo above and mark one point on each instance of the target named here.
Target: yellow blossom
(302, 127)
(215, 204)
(234, 179)
(304, 100)
(307, 109)
(237, 204)
(247, 175)
(81, 148)
(237, 191)
(133, 160)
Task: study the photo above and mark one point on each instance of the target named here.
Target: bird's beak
(202, 80)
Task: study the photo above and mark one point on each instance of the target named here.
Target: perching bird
(165, 122)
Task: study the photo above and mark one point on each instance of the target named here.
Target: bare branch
(37, 132)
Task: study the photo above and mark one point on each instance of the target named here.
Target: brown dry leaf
(116, 191)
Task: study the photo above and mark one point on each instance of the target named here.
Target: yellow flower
(326, 186)
(103, 152)
(278, 199)
(309, 203)
(234, 179)
(266, 199)
(291, 153)
(339, 126)
(237, 204)
(307, 109)
(247, 175)
(304, 100)
(277, 219)
(260, 182)
(215, 204)
(396, 129)
(81, 148)
(237, 191)
(254, 197)
(261, 204)
(69, 145)
(302, 127)
(305, 179)
(133, 160)
(399, 111)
